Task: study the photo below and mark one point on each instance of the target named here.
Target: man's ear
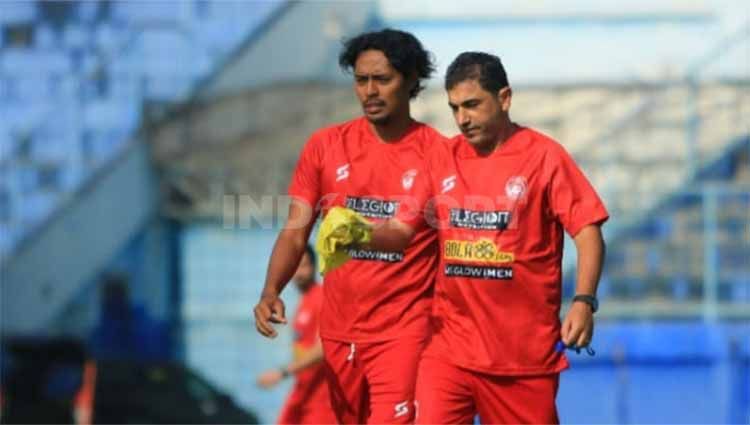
(504, 96)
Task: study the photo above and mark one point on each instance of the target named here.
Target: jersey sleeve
(306, 179)
(573, 201)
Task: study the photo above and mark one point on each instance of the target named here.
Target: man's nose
(372, 88)
(463, 118)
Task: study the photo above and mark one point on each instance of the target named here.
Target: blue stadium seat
(36, 206)
(15, 62)
(87, 11)
(76, 37)
(107, 114)
(107, 37)
(26, 62)
(55, 146)
(6, 141)
(45, 37)
(24, 116)
(135, 13)
(18, 12)
(680, 288)
(740, 287)
(33, 88)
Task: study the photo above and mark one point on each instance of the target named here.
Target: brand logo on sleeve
(342, 172)
(449, 183)
(407, 181)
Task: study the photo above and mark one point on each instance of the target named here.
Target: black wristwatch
(588, 299)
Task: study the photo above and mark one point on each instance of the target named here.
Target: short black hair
(403, 50)
(485, 68)
(311, 252)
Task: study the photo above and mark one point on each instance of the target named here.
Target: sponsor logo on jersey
(407, 180)
(384, 256)
(449, 183)
(342, 172)
(479, 272)
(515, 188)
(481, 251)
(479, 220)
(372, 208)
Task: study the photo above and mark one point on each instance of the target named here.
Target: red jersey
(501, 220)
(305, 325)
(378, 295)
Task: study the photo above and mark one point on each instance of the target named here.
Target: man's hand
(341, 229)
(270, 378)
(578, 326)
(270, 309)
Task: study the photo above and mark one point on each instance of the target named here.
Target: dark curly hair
(485, 68)
(403, 50)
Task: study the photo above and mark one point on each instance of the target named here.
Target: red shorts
(309, 402)
(373, 382)
(447, 394)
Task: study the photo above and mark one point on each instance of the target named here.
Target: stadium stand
(75, 77)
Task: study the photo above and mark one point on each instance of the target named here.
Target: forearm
(590, 247)
(285, 256)
(391, 235)
(312, 357)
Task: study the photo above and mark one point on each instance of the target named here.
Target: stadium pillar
(710, 253)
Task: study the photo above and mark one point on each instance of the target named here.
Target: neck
(394, 129)
(503, 135)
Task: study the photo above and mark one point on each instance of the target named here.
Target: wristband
(588, 299)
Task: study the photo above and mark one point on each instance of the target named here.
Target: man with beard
(375, 313)
(308, 403)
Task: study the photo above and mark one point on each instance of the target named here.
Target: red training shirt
(305, 325)
(378, 295)
(501, 220)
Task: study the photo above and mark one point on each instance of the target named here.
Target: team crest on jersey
(407, 180)
(515, 187)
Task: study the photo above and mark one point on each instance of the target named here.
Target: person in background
(309, 402)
